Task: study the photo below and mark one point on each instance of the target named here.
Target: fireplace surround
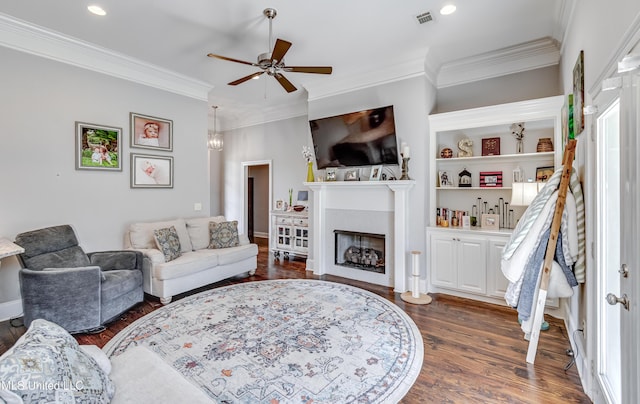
(373, 207)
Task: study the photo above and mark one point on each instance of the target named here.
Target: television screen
(362, 138)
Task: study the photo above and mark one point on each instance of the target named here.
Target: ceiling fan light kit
(272, 62)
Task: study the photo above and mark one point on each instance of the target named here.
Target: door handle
(613, 300)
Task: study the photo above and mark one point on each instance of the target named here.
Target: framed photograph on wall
(151, 171)
(376, 173)
(98, 147)
(578, 95)
(150, 132)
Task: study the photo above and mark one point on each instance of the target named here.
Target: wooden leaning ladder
(538, 308)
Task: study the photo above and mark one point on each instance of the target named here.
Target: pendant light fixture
(215, 141)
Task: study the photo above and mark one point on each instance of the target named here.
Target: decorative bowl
(298, 208)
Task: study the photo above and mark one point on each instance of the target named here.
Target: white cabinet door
(496, 282)
(443, 260)
(472, 264)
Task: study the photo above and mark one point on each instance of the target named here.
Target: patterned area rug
(284, 341)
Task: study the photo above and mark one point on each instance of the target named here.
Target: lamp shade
(523, 193)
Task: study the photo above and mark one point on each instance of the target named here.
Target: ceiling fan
(272, 62)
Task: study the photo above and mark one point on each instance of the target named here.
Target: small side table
(8, 248)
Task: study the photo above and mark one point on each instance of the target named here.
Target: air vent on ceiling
(424, 17)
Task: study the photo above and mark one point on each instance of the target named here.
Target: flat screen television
(362, 138)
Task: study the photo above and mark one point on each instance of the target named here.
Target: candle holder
(414, 296)
(405, 168)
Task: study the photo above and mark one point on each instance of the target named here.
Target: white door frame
(245, 176)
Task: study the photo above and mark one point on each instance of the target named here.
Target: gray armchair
(59, 282)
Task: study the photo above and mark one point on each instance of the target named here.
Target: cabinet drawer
(284, 220)
(301, 222)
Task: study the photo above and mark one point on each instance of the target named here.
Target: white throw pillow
(198, 229)
(141, 234)
(49, 366)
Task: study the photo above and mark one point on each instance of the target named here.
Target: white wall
(522, 86)
(601, 31)
(279, 141)
(41, 100)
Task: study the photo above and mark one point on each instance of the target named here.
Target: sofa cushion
(224, 235)
(141, 234)
(188, 263)
(168, 242)
(198, 229)
(47, 365)
(236, 254)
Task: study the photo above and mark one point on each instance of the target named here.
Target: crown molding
(527, 56)
(26, 37)
(365, 79)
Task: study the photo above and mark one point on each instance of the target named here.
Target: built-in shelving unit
(466, 261)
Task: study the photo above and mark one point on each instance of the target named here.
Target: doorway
(618, 228)
(257, 198)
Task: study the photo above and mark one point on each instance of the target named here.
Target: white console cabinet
(467, 262)
(290, 233)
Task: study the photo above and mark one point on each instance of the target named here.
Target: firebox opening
(363, 251)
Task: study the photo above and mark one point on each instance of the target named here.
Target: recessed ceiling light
(448, 9)
(97, 10)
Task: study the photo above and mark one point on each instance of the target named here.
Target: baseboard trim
(579, 351)
(260, 234)
(10, 309)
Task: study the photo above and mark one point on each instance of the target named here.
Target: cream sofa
(197, 266)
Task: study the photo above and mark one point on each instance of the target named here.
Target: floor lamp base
(422, 299)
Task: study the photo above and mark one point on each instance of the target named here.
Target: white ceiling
(356, 37)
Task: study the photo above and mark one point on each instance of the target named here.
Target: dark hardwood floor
(474, 352)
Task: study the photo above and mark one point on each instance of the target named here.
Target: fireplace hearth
(363, 251)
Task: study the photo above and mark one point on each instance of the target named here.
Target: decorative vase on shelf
(310, 177)
(519, 146)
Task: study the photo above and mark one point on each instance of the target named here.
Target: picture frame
(544, 173)
(331, 174)
(466, 222)
(491, 146)
(490, 222)
(279, 204)
(150, 132)
(149, 171)
(445, 180)
(491, 179)
(578, 95)
(98, 147)
(351, 174)
(376, 173)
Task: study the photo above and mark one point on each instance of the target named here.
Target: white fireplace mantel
(374, 196)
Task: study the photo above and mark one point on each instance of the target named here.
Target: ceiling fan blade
(211, 55)
(308, 69)
(246, 78)
(279, 50)
(286, 84)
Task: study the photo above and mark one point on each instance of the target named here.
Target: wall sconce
(215, 141)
